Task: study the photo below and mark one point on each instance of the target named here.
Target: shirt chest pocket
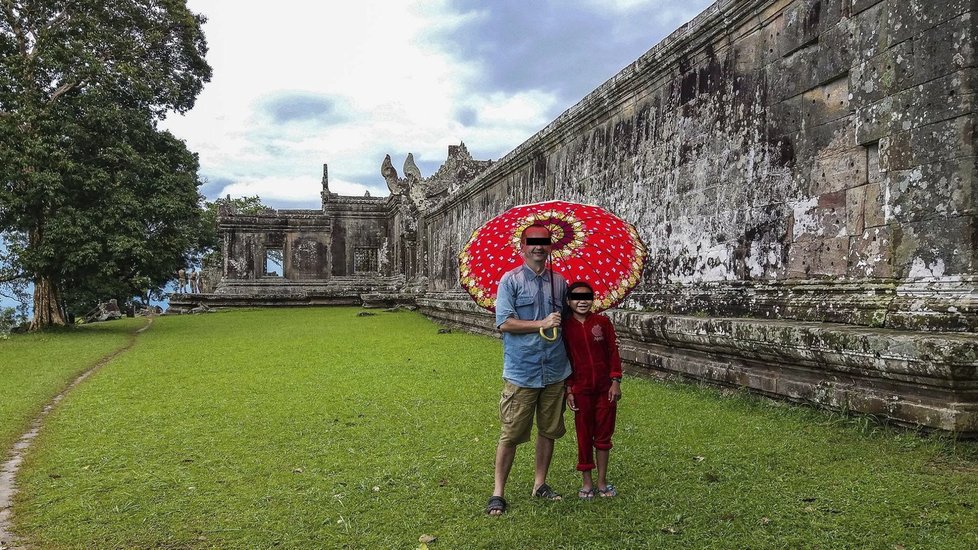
(525, 305)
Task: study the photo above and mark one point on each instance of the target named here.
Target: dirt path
(8, 471)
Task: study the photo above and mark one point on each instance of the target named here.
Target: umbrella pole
(553, 304)
(553, 299)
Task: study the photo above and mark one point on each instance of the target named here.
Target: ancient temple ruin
(803, 172)
(351, 250)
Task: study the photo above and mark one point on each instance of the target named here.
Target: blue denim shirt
(529, 361)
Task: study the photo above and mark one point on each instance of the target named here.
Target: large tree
(98, 192)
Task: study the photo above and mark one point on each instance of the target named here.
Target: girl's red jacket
(592, 347)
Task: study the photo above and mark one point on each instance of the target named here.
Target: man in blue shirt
(534, 368)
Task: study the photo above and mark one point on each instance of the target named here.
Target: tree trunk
(47, 305)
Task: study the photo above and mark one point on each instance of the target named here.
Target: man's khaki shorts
(516, 409)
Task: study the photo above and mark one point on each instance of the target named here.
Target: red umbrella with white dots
(589, 244)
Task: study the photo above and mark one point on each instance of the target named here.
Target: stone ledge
(190, 301)
(302, 288)
(458, 313)
(388, 299)
(921, 379)
(913, 378)
(948, 304)
(940, 359)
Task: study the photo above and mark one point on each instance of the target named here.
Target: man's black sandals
(546, 493)
(496, 504)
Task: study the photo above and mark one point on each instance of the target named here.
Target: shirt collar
(530, 273)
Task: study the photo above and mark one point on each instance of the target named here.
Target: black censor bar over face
(580, 296)
(538, 241)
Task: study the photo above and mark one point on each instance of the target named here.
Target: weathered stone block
(793, 74)
(787, 117)
(831, 13)
(858, 6)
(771, 44)
(830, 215)
(874, 207)
(839, 171)
(875, 121)
(748, 50)
(942, 99)
(855, 210)
(896, 152)
(935, 248)
(801, 25)
(820, 257)
(914, 17)
(827, 102)
(902, 20)
(770, 191)
(882, 75)
(873, 31)
(874, 174)
(773, 9)
(833, 202)
(945, 139)
(864, 208)
(870, 254)
(837, 50)
(832, 258)
(944, 49)
(935, 190)
(826, 140)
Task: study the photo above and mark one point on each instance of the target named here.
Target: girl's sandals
(497, 506)
(585, 494)
(608, 491)
(545, 492)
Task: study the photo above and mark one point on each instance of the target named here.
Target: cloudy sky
(345, 83)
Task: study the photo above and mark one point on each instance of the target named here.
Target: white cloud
(395, 91)
(286, 189)
(293, 190)
(381, 80)
(522, 109)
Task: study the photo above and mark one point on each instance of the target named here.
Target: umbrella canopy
(589, 244)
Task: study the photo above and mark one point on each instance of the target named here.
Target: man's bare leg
(504, 463)
(544, 452)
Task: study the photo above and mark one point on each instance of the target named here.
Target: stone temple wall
(803, 173)
(352, 251)
(302, 238)
(360, 234)
(332, 256)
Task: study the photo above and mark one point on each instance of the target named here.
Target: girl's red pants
(595, 424)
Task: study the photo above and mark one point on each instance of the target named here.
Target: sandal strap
(496, 503)
(544, 491)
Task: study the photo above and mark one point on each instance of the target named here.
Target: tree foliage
(14, 285)
(105, 201)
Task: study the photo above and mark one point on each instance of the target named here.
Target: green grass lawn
(310, 428)
(36, 367)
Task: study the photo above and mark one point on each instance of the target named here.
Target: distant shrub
(9, 320)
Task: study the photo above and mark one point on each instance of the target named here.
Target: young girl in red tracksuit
(594, 387)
